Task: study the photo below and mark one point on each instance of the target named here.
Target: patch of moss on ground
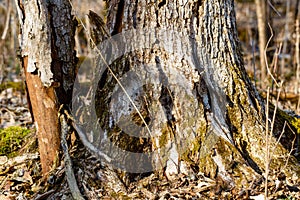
(18, 86)
(11, 139)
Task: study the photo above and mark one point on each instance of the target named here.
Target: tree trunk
(47, 50)
(261, 13)
(176, 96)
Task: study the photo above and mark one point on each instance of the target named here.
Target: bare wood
(44, 108)
(20, 159)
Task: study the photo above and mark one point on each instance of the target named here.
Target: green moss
(295, 122)
(19, 86)
(165, 135)
(196, 146)
(282, 116)
(11, 139)
(119, 195)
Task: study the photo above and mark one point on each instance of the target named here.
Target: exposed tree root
(67, 160)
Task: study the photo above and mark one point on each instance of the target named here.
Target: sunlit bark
(48, 59)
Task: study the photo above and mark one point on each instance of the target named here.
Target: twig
(3, 182)
(276, 106)
(274, 63)
(22, 159)
(292, 148)
(265, 55)
(267, 134)
(44, 195)
(278, 140)
(67, 160)
(275, 10)
(267, 145)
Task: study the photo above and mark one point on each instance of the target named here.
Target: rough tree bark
(48, 59)
(203, 112)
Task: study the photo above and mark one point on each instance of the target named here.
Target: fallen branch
(20, 159)
(44, 195)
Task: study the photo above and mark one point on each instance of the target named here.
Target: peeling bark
(35, 40)
(48, 58)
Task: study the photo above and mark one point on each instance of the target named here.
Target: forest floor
(20, 170)
(21, 178)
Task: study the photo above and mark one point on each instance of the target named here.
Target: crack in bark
(162, 3)
(38, 6)
(166, 100)
(119, 18)
(202, 94)
(134, 13)
(21, 13)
